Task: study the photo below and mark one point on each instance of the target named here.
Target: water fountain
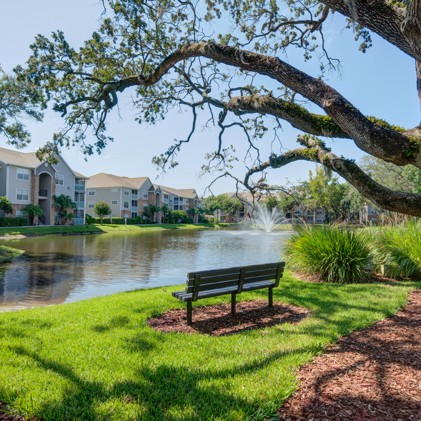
(265, 218)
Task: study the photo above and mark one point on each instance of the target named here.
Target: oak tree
(225, 59)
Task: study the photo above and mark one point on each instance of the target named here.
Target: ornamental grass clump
(330, 253)
(398, 250)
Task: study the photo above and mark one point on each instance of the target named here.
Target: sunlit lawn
(98, 359)
(95, 229)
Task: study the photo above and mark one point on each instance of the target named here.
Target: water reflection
(71, 268)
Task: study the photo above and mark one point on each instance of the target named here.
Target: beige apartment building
(24, 180)
(127, 196)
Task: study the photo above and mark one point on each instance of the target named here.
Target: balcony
(43, 193)
(80, 188)
(79, 205)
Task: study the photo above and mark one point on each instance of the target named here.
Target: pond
(60, 269)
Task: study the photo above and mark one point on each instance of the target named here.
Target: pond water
(59, 269)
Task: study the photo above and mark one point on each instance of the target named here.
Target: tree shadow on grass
(164, 392)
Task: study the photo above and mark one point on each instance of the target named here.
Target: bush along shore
(7, 254)
(346, 255)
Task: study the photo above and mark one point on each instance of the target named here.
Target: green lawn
(99, 360)
(7, 254)
(95, 229)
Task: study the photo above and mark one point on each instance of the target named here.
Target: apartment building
(24, 180)
(127, 197)
(176, 199)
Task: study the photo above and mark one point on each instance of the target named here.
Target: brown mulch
(371, 375)
(217, 320)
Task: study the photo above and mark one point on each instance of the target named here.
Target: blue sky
(380, 83)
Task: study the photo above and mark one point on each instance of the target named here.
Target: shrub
(330, 253)
(89, 219)
(398, 250)
(117, 220)
(13, 222)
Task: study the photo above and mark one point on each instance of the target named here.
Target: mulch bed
(217, 320)
(371, 375)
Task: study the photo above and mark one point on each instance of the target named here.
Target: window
(22, 174)
(114, 202)
(126, 205)
(91, 205)
(19, 213)
(60, 179)
(145, 196)
(134, 215)
(22, 194)
(79, 197)
(126, 193)
(134, 192)
(91, 193)
(134, 203)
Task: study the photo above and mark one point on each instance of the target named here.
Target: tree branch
(382, 142)
(314, 150)
(384, 18)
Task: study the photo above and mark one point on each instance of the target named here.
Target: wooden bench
(212, 283)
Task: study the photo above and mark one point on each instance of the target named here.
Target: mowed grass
(7, 254)
(99, 360)
(95, 229)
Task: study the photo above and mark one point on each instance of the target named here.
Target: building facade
(25, 180)
(128, 197)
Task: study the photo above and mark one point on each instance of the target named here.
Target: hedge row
(13, 222)
(115, 220)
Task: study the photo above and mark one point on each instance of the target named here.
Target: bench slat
(214, 285)
(269, 273)
(186, 296)
(215, 272)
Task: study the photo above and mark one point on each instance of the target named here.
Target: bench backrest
(229, 277)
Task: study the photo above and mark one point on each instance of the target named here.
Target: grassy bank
(94, 229)
(7, 254)
(99, 360)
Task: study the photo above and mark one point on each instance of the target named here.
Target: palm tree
(62, 204)
(32, 211)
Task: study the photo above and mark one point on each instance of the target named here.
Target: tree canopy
(226, 59)
(18, 100)
(102, 209)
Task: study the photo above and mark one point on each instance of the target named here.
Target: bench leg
(270, 297)
(233, 304)
(189, 312)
